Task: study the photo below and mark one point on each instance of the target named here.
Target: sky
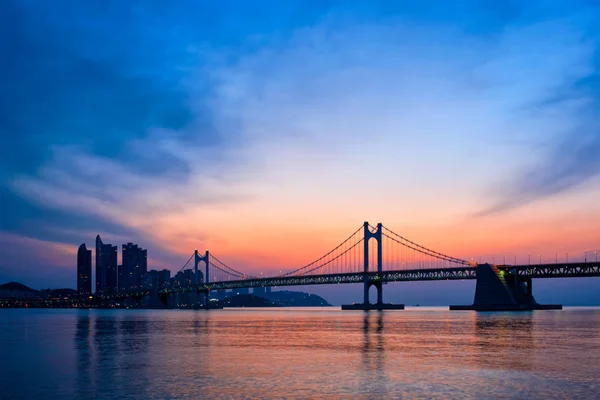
(268, 131)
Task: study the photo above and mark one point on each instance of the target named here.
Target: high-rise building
(164, 276)
(157, 279)
(142, 267)
(185, 278)
(84, 271)
(106, 268)
(112, 269)
(135, 266)
(120, 278)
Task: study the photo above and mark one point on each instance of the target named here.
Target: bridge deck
(590, 269)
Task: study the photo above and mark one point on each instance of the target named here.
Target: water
(298, 353)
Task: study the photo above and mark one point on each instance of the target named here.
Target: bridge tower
(370, 279)
(197, 259)
(367, 281)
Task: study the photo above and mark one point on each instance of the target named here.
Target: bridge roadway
(570, 270)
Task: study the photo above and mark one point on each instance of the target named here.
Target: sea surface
(299, 353)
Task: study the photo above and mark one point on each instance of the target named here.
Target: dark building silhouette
(84, 271)
(186, 278)
(157, 279)
(106, 268)
(135, 267)
(164, 276)
(120, 278)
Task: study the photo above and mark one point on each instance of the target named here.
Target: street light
(529, 259)
(567, 254)
(540, 256)
(585, 256)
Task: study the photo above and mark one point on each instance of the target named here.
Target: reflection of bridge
(358, 259)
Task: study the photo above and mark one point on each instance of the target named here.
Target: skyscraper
(120, 278)
(106, 268)
(135, 266)
(111, 269)
(84, 271)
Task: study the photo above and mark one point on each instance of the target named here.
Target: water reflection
(83, 348)
(500, 335)
(134, 336)
(373, 354)
(106, 349)
(303, 354)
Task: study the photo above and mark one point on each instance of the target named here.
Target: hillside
(246, 300)
(15, 287)
(286, 298)
(17, 290)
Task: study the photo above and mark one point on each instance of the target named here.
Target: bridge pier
(367, 280)
(503, 291)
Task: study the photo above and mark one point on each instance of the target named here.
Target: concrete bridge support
(500, 291)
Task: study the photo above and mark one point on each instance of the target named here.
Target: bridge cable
(333, 259)
(234, 271)
(322, 257)
(425, 251)
(186, 263)
(433, 252)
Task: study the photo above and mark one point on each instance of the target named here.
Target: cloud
(52, 260)
(83, 80)
(567, 165)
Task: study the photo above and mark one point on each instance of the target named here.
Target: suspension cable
(322, 257)
(433, 253)
(333, 259)
(226, 272)
(235, 271)
(441, 256)
(186, 263)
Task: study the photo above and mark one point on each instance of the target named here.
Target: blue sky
(470, 126)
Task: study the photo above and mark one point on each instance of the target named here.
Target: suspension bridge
(375, 255)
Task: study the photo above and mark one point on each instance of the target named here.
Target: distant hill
(284, 298)
(18, 290)
(16, 286)
(246, 300)
(288, 298)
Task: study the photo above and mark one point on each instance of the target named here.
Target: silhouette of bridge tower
(370, 279)
(197, 260)
(368, 235)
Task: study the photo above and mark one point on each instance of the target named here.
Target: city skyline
(268, 132)
(111, 273)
